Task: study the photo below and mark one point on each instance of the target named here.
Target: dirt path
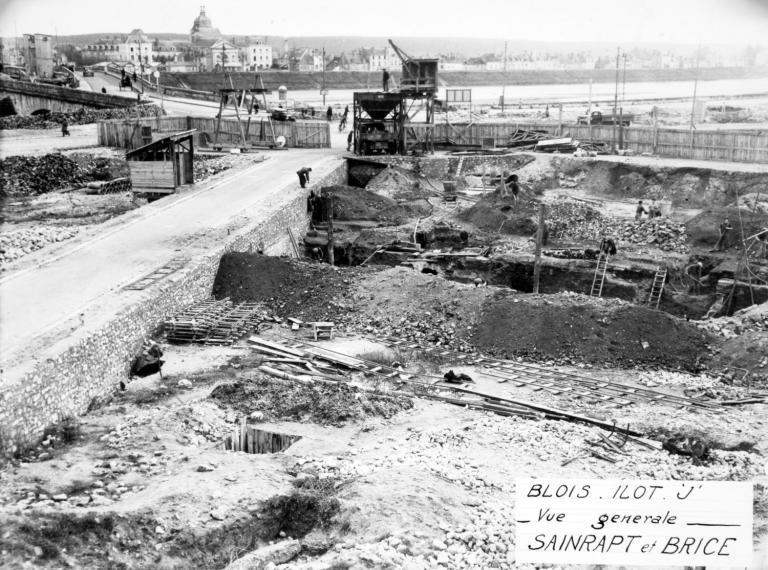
(84, 280)
(34, 142)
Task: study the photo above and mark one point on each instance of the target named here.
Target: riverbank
(210, 81)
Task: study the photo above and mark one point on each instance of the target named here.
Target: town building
(38, 54)
(221, 54)
(137, 48)
(257, 55)
(308, 60)
(383, 58)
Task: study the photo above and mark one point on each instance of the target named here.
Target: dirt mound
(361, 174)
(704, 228)
(292, 288)
(746, 352)
(573, 326)
(351, 203)
(490, 217)
(327, 404)
(399, 184)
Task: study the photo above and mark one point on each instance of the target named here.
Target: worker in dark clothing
(693, 272)
(329, 113)
(608, 246)
(311, 202)
(103, 89)
(64, 128)
(135, 77)
(303, 176)
(513, 186)
(725, 230)
(639, 211)
(350, 140)
(385, 80)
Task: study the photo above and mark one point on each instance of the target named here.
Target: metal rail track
(435, 388)
(556, 382)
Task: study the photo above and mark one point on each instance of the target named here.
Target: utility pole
(539, 239)
(504, 86)
(695, 87)
(330, 228)
(615, 101)
(323, 92)
(589, 110)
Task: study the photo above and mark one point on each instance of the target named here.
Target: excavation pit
(258, 441)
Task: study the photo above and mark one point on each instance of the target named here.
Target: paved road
(82, 287)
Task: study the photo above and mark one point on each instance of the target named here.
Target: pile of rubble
(205, 166)
(659, 232)
(33, 175)
(572, 220)
(750, 319)
(80, 117)
(428, 328)
(18, 243)
(29, 175)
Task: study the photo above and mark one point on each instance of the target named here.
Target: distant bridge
(30, 97)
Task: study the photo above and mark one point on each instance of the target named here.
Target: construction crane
(418, 74)
(404, 57)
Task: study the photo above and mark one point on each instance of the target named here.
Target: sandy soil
(152, 460)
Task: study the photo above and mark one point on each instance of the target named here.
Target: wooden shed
(163, 165)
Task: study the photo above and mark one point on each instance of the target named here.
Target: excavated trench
(359, 241)
(257, 441)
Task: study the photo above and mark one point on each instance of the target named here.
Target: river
(570, 93)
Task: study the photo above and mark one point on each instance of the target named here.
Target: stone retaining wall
(93, 367)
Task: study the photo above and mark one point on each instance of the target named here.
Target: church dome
(202, 21)
(203, 30)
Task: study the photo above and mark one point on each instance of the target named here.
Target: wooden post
(621, 127)
(560, 120)
(615, 103)
(330, 229)
(539, 237)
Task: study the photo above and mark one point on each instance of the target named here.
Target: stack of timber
(526, 138)
(214, 322)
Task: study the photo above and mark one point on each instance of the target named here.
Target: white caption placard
(653, 523)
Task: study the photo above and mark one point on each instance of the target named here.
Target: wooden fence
(722, 145)
(298, 134)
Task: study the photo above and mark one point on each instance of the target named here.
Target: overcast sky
(677, 21)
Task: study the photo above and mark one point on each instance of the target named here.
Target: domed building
(202, 30)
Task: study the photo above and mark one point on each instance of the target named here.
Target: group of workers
(653, 211)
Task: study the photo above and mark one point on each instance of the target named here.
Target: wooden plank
(277, 347)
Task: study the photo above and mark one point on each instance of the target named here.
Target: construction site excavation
(209, 363)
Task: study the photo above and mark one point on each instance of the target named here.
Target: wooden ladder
(599, 279)
(294, 243)
(657, 288)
